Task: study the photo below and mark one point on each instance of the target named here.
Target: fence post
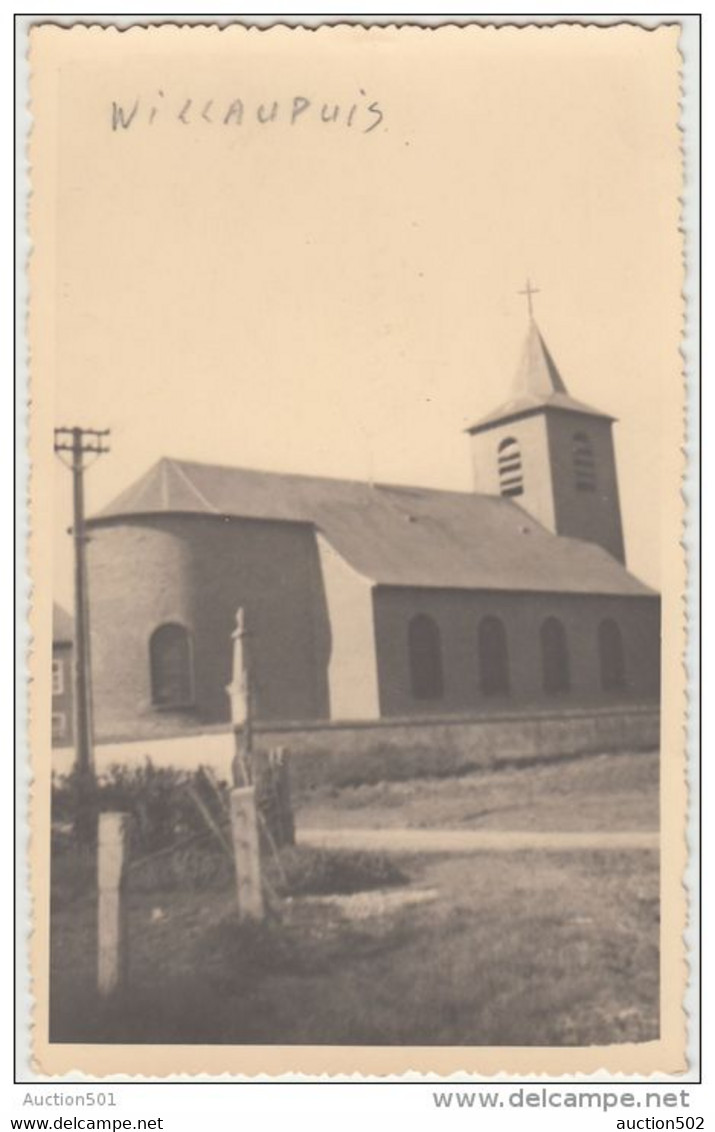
(244, 828)
(283, 790)
(240, 695)
(112, 852)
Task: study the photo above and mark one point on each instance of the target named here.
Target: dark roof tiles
(395, 536)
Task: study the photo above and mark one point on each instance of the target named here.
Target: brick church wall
(352, 667)
(324, 645)
(458, 613)
(197, 571)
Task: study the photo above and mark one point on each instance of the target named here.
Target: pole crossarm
(69, 439)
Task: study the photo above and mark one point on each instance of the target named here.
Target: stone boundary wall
(346, 754)
(356, 752)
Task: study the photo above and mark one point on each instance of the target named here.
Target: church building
(369, 601)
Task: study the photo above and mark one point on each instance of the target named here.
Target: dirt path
(471, 840)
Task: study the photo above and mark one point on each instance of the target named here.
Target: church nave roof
(394, 535)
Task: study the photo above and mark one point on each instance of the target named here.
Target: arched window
(170, 662)
(584, 464)
(425, 651)
(511, 479)
(493, 657)
(554, 657)
(610, 656)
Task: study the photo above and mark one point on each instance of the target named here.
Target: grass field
(593, 792)
(485, 949)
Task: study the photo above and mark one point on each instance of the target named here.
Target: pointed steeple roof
(537, 385)
(537, 373)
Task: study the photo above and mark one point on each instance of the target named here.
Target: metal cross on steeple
(529, 291)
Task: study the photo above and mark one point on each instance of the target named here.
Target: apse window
(584, 464)
(425, 654)
(511, 479)
(170, 657)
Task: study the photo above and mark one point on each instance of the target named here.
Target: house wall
(62, 699)
(458, 613)
(197, 571)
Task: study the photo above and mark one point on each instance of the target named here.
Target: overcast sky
(322, 298)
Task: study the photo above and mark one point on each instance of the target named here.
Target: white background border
(222, 1106)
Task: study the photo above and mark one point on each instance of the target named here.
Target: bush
(195, 867)
(158, 798)
(322, 872)
(166, 817)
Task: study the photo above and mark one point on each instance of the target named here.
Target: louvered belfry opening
(511, 479)
(584, 463)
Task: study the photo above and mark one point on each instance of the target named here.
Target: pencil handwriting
(360, 114)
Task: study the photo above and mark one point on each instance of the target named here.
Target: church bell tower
(550, 453)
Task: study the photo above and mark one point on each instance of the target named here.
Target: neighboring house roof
(62, 626)
(537, 385)
(395, 536)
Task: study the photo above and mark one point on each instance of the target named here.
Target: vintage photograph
(357, 716)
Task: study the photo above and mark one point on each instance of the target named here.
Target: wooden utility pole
(79, 443)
